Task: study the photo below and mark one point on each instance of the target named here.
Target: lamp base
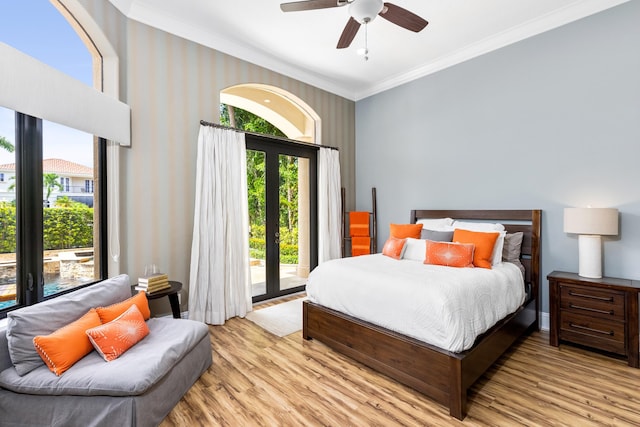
(590, 256)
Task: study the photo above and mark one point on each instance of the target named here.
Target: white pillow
(416, 250)
(478, 226)
(496, 255)
(436, 224)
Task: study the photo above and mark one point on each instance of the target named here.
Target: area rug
(280, 319)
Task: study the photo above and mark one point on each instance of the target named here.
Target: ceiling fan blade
(297, 6)
(349, 32)
(402, 17)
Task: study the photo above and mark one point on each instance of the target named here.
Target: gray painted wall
(547, 123)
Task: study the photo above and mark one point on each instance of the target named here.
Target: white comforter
(443, 306)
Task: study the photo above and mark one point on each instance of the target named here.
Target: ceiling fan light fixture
(365, 11)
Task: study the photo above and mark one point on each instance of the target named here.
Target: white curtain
(219, 281)
(113, 207)
(329, 209)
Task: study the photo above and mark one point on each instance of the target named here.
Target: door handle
(277, 238)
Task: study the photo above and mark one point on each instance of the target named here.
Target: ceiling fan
(362, 12)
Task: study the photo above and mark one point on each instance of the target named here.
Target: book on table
(153, 278)
(156, 287)
(153, 290)
(153, 283)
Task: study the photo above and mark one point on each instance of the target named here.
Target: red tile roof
(58, 166)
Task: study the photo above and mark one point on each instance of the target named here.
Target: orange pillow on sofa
(114, 338)
(107, 314)
(394, 247)
(64, 347)
(449, 254)
(483, 242)
(402, 231)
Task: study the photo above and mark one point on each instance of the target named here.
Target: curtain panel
(329, 209)
(219, 281)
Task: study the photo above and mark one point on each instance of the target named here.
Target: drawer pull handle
(573, 325)
(595, 310)
(576, 294)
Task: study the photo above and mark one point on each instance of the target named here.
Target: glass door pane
(293, 221)
(256, 186)
(8, 262)
(68, 208)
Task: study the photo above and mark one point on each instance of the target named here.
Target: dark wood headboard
(527, 221)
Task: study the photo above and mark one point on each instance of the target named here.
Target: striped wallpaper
(171, 84)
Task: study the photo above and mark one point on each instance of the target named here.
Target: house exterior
(75, 182)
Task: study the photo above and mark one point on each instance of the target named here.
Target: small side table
(172, 293)
(598, 313)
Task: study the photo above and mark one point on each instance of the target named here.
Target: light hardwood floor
(258, 379)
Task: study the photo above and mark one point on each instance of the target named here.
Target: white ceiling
(302, 44)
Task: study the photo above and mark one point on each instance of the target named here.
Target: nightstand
(597, 313)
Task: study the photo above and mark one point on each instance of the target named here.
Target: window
(50, 242)
(64, 184)
(63, 234)
(1, 177)
(88, 186)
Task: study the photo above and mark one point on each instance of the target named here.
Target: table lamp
(590, 224)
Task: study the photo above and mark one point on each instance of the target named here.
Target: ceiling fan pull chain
(366, 41)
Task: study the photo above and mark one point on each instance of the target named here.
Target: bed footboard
(441, 375)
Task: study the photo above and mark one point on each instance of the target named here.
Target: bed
(443, 375)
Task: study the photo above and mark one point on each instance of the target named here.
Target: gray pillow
(436, 236)
(512, 248)
(48, 316)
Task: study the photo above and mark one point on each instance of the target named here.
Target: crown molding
(143, 13)
(550, 21)
(140, 11)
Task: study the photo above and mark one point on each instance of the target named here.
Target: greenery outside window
(51, 240)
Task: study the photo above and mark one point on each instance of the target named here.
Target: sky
(36, 28)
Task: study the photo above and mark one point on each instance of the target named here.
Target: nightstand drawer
(602, 303)
(594, 332)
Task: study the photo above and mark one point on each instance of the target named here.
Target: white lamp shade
(592, 221)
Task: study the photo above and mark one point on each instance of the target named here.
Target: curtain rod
(293, 141)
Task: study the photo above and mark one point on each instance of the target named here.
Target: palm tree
(49, 182)
(5, 144)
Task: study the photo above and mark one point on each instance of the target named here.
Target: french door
(281, 178)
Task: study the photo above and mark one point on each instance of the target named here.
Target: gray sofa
(137, 389)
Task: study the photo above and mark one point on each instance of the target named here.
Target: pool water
(57, 285)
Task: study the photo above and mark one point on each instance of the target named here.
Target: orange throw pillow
(107, 314)
(394, 247)
(449, 254)
(483, 242)
(402, 231)
(114, 338)
(64, 347)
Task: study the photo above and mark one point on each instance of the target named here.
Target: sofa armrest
(5, 359)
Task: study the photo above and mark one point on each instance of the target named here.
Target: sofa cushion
(48, 316)
(133, 373)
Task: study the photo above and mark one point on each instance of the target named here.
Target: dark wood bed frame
(442, 375)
